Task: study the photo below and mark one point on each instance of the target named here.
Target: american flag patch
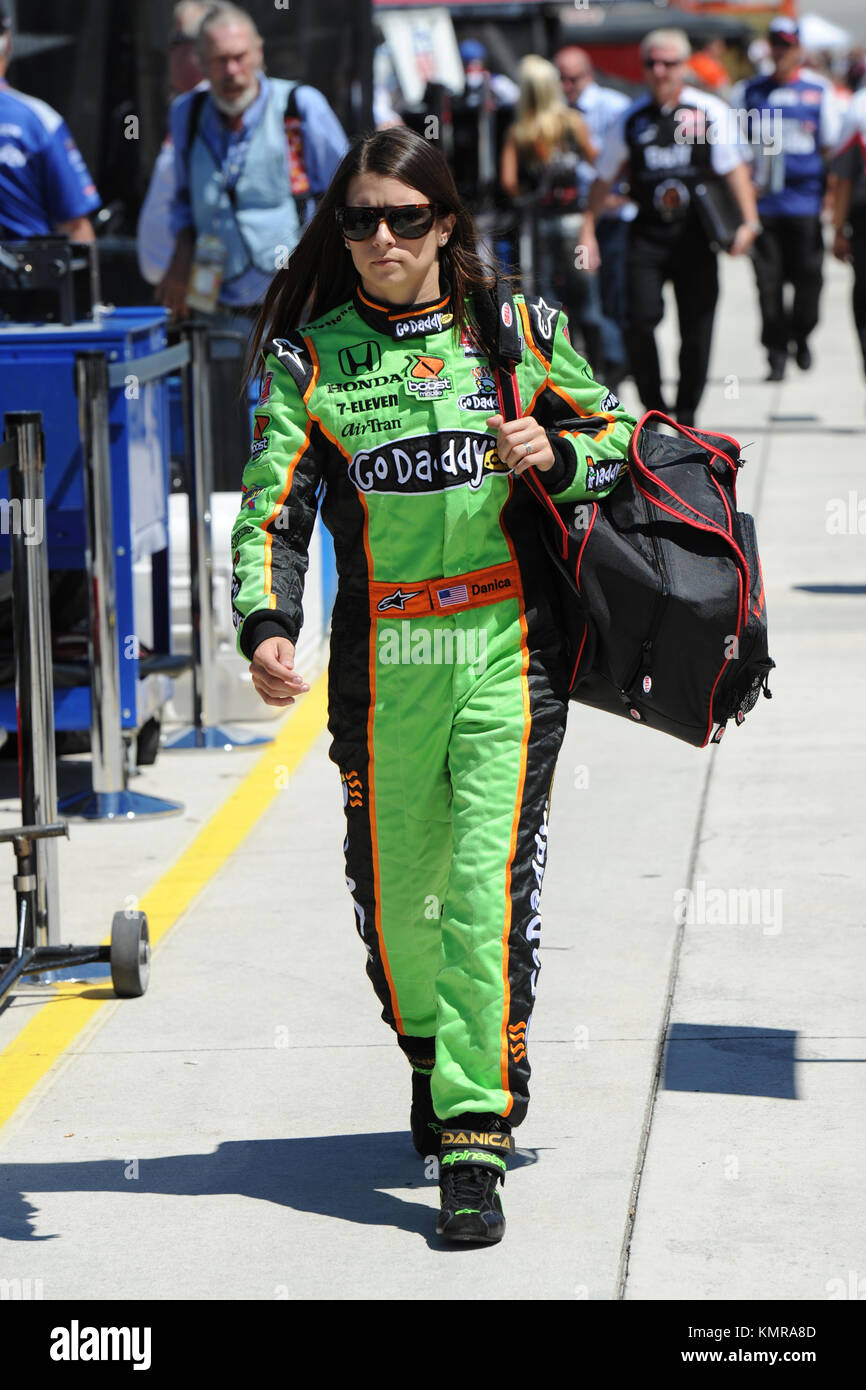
(458, 593)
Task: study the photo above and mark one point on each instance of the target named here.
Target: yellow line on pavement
(42, 1041)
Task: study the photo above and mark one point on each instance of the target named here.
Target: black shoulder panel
(542, 323)
(292, 353)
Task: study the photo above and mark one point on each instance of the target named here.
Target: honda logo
(360, 359)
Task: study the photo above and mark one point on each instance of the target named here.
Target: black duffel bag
(661, 588)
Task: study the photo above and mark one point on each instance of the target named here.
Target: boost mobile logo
(424, 377)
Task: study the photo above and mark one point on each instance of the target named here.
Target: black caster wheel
(147, 743)
(130, 954)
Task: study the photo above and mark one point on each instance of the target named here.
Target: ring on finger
(527, 449)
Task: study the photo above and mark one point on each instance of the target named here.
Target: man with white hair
(672, 141)
(247, 150)
(45, 186)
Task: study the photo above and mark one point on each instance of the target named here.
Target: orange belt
(431, 596)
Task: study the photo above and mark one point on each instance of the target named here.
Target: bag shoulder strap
(291, 112)
(195, 110)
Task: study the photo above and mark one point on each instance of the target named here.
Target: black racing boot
(777, 362)
(472, 1160)
(423, 1121)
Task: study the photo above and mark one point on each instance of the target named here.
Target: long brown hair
(320, 273)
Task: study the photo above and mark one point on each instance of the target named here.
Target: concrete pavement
(698, 1112)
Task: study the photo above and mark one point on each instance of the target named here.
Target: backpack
(660, 585)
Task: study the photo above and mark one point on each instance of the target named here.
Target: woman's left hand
(512, 439)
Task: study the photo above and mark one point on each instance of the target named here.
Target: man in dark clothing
(671, 140)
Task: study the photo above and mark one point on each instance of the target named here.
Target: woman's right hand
(273, 672)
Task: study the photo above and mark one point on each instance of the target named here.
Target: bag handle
(662, 496)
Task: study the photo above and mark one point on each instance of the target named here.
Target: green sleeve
(589, 430)
(278, 508)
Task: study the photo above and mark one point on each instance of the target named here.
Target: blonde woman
(539, 167)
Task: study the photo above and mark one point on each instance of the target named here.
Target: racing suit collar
(411, 321)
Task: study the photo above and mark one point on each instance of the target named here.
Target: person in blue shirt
(249, 152)
(45, 186)
(794, 123)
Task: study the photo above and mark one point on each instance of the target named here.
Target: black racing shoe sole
(472, 1228)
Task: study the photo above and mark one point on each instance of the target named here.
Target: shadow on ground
(730, 1061)
(341, 1176)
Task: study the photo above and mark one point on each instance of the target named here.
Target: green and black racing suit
(446, 683)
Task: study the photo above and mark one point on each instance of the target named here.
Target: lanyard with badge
(209, 258)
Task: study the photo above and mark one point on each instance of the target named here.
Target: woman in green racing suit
(447, 679)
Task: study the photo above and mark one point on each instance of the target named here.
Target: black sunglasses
(664, 62)
(411, 221)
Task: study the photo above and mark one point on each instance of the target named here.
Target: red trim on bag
(511, 377)
(696, 438)
(532, 482)
(718, 487)
(704, 445)
(719, 677)
(579, 654)
(583, 544)
(713, 526)
(647, 471)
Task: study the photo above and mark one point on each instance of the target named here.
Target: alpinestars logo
(545, 315)
(396, 600)
(287, 353)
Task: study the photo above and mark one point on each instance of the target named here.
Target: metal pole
(33, 666)
(200, 536)
(106, 737)
(109, 799)
(202, 733)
